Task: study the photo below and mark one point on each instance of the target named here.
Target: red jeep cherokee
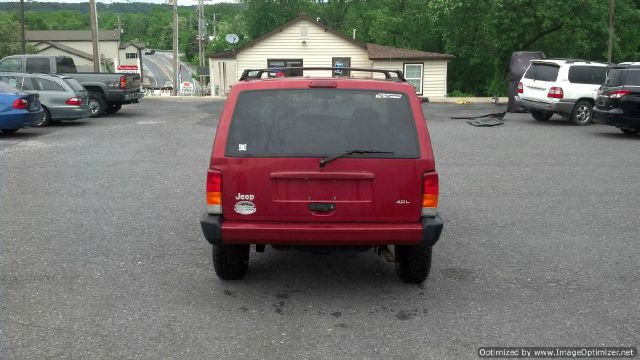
(321, 164)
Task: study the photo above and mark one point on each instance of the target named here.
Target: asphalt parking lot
(102, 254)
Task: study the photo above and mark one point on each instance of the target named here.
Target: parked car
(17, 109)
(322, 164)
(150, 52)
(561, 86)
(62, 97)
(107, 91)
(618, 101)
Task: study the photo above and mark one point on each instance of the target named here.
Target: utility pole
(201, 32)
(23, 41)
(214, 26)
(175, 48)
(93, 13)
(119, 24)
(612, 20)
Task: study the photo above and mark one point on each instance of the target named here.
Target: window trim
(285, 61)
(345, 73)
(404, 70)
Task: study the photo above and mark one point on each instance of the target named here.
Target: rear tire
(630, 131)
(582, 113)
(230, 262)
(113, 108)
(46, 118)
(96, 104)
(8, 131)
(413, 263)
(541, 115)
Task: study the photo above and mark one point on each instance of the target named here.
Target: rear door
(585, 81)
(133, 81)
(614, 81)
(538, 79)
(631, 102)
(53, 96)
(271, 170)
(79, 90)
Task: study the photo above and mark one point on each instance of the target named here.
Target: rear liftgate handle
(322, 207)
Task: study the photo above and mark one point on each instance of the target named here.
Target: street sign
(128, 69)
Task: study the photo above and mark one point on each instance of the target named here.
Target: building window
(341, 62)
(131, 55)
(413, 73)
(277, 66)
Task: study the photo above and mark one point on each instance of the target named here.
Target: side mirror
(424, 99)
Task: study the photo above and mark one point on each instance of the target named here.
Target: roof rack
(571, 61)
(257, 73)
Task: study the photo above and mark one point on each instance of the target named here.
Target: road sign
(186, 85)
(128, 69)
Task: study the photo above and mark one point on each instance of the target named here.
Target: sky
(180, 2)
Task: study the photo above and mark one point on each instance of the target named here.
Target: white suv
(561, 86)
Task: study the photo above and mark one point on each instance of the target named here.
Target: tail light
(123, 82)
(214, 192)
(20, 103)
(430, 194)
(74, 101)
(617, 94)
(520, 88)
(555, 93)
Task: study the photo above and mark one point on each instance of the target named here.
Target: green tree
(9, 38)
(262, 16)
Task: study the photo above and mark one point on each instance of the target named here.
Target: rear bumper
(563, 107)
(133, 97)
(17, 120)
(615, 117)
(426, 232)
(122, 97)
(69, 113)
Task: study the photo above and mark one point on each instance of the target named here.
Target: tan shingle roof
(381, 52)
(71, 35)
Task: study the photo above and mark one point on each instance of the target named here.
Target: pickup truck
(107, 91)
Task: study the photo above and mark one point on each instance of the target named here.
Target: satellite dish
(232, 38)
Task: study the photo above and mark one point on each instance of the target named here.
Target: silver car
(62, 97)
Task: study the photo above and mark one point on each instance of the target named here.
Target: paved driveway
(102, 255)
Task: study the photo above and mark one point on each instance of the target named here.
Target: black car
(618, 101)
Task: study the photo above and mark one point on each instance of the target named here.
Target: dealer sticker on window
(388, 96)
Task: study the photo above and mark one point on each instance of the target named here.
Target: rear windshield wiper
(328, 159)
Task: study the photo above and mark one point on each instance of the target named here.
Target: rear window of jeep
(321, 122)
(542, 72)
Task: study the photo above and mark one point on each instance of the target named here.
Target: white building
(114, 55)
(305, 42)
